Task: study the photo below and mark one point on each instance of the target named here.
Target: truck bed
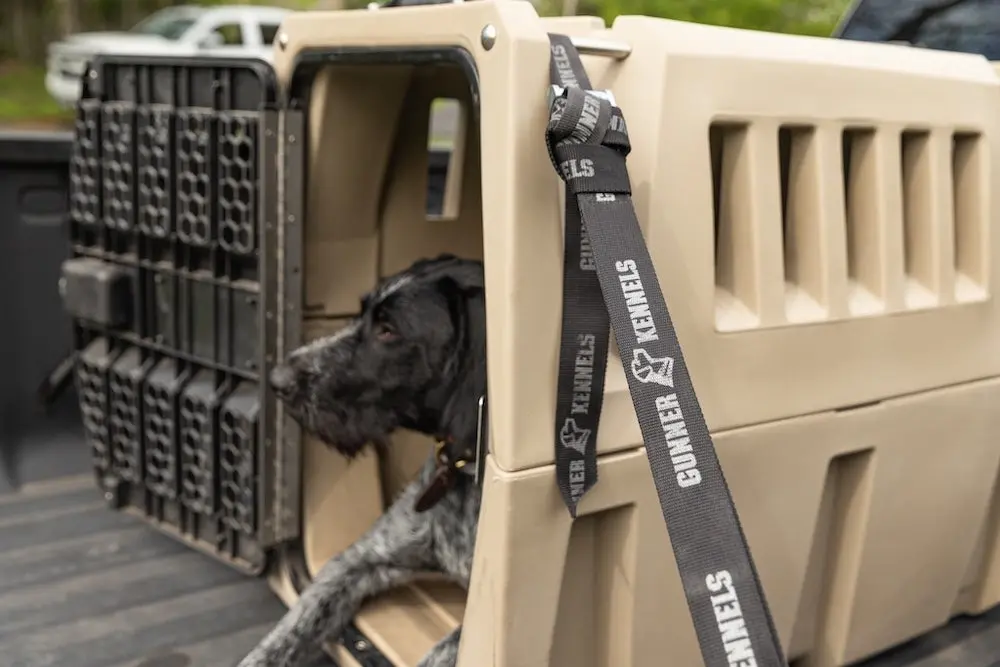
(84, 586)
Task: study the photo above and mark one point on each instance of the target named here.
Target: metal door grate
(171, 191)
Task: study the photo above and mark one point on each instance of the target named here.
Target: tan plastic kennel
(818, 211)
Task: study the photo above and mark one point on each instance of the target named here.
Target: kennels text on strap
(588, 142)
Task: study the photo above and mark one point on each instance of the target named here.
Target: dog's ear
(460, 416)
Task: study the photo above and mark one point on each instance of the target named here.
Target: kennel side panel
(741, 376)
(843, 534)
(851, 205)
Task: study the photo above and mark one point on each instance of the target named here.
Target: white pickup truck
(176, 31)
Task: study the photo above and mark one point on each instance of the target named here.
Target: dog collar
(446, 474)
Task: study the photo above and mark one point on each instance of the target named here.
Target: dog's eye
(385, 333)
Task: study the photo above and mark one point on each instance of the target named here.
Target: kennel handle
(602, 47)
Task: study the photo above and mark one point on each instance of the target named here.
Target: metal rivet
(488, 37)
(108, 496)
(283, 40)
(92, 74)
(291, 138)
(361, 645)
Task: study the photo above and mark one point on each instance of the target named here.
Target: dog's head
(414, 358)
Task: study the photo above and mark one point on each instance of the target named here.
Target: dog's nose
(283, 380)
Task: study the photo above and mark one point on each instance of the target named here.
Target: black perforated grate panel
(166, 195)
(118, 164)
(194, 191)
(125, 380)
(237, 178)
(155, 170)
(85, 164)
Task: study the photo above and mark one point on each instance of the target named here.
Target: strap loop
(586, 168)
(583, 355)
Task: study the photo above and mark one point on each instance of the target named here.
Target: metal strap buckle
(555, 92)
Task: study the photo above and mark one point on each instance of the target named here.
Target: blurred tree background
(807, 17)
(27, 27)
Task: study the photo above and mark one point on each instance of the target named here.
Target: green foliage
(290, 4)
(809, 17)
(24, 102)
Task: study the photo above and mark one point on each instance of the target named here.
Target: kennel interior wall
(819, 213)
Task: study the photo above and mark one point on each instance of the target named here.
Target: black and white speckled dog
(415, 358)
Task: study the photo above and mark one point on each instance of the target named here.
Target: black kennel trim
(309, 61)
(174, 203)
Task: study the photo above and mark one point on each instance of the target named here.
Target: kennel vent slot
(737, 279)
(865, 244)
(802, 219)
(970, 213)
(919, 242)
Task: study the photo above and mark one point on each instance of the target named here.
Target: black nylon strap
(723, 591)
(587, 168)
(583, 350)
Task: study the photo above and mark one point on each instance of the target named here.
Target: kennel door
(173, 290)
